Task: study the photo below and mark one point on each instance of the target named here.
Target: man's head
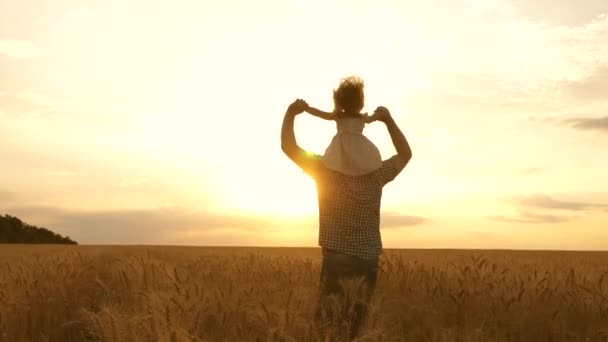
(349, 95)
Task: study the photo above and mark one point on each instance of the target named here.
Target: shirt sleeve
(390, 169)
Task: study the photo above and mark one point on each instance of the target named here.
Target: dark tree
(13, 230)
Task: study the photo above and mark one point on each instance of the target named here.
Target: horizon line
(317, 247)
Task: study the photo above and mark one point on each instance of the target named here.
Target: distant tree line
(13, 230)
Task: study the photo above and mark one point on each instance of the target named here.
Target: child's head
(349, 95)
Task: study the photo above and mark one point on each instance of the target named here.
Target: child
(350, 152)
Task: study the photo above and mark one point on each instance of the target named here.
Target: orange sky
(159, 123)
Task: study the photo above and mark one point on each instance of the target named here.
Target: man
(349, 221)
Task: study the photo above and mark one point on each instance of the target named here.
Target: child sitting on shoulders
(350, 152)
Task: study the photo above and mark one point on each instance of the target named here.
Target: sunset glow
(114, 112)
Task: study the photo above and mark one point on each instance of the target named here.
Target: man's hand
(381, 114)
(297, 107)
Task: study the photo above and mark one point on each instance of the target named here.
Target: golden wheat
(76, 293)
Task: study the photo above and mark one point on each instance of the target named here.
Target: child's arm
(320, 114)
(368, 118)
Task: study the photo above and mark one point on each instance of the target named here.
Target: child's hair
(349, 98)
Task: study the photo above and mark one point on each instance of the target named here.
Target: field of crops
(88, 293)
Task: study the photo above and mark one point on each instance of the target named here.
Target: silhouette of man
(349, 223)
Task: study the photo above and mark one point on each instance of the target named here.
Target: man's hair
(349, 95)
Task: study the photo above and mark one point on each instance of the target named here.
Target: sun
(285, 194)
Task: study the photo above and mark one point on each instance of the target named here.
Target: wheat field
(141, 293)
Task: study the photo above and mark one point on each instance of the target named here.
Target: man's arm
(307, 161)
(399, 141)
(393, 166)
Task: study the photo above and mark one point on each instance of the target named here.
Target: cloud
(38, 99)
(7, 196)
(541, 202)
(546, 202)
(165, 225)
(28, 104)
(18, 49)
(590, 88)
(560, 12)
(26, 100)
(600, 123)
(395, 220)
(160, 226)
(589, 91)
(532, 218)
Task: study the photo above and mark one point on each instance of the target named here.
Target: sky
(138, 122)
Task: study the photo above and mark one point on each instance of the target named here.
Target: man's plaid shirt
(349, 206)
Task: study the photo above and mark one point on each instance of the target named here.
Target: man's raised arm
(399, 141)
(307, 161)
(288, 137)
